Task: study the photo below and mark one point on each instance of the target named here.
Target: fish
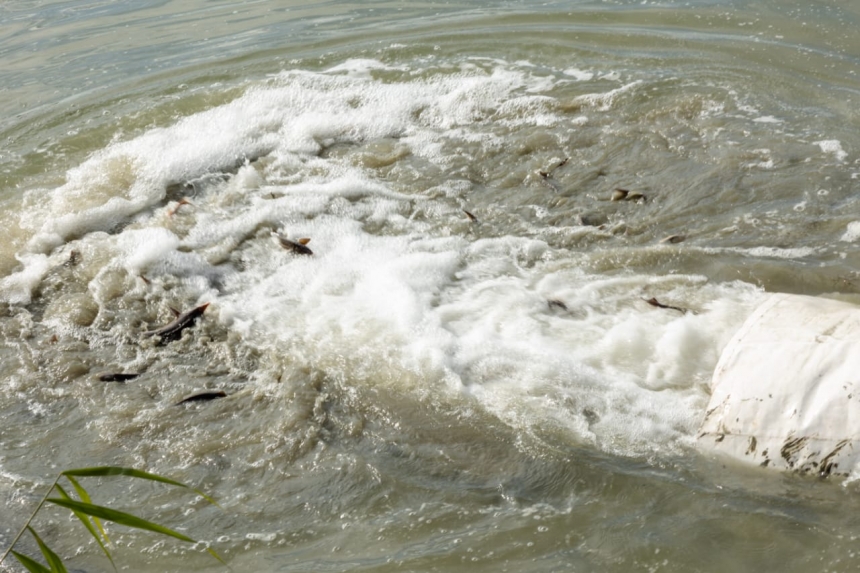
(654, 302)
(625, 195)
(549, 182)
(204, 396)
(471, 217)
(173, 331)
(673, 239)
(298, 247)
(183, 201)
(549, 171)
(74, 258)
(117, 376)
(619, 195)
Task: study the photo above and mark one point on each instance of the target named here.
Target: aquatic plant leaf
(52, 558)
(86, 521)
(215, 555)
(126, 519)
(82, 493)
(30, 564)
(116, 516)
(103, 471)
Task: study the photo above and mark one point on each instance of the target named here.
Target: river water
(430, 390)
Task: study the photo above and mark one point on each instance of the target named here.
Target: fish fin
(303, 241)
(175, 312)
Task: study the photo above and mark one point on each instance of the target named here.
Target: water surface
(429, 390)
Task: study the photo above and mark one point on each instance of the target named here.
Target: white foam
(360, 67)
(833, 146)
(17, 288)
(143, 247)
(852, 232)
(579, 75)
(604, 101)
(768, 252)
(410, 309)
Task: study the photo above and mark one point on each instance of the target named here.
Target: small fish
(549, 171)
(183, 201)
(654, 302)
(203, 396)
(298, 247)
(173, 331)
(619, 195)
(471, 217)
(625, 195)
(546, 180)
(74, 258)
(117, 376)
(555, 303)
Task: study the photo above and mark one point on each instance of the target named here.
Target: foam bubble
(833, 146)
(579, 75)
(17, 287)
(767, 119)
(143, 247)
(852, 232)
(604, 101)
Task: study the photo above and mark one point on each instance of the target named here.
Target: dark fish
(117, 376)
(654, 302)
(546, 180)
(297, 247)
(183, 201)
(549, 171)
(203, 396)
(470, 216)
(74, 258)
(174, 330)
(555, 303)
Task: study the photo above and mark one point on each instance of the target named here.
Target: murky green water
(427, 391)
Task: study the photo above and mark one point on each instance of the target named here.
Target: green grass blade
(29, 520)
(116, 516)
(104, 471)
(86, 521)
(85, 497)
(126, 519)
(215, 555)
(52, 558)
(31, 565)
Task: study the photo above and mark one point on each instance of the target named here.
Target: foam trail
(394, 294)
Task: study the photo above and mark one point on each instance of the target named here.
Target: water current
(464, 372)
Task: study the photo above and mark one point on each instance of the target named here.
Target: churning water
(466, 373)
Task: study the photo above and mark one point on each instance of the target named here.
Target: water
(425, 392)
